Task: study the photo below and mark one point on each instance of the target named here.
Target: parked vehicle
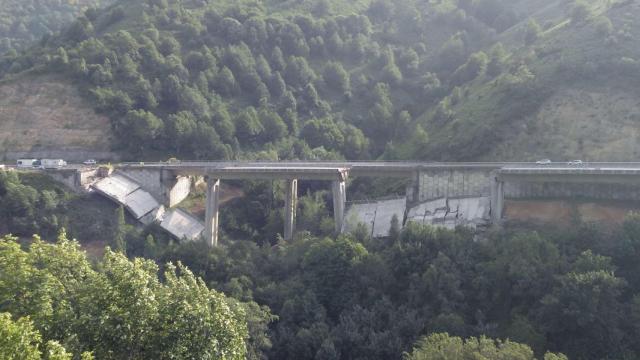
(575, 162)
(543, 162)
(26, 163)
(89, 162)
(52, 163)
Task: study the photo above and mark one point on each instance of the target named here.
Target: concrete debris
(156, 215)
(376, 216)
(182, 224)
(116, 187)
(140, 203)
(452, 212)
(146, 209)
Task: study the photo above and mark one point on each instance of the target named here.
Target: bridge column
(290, 206)
(211, 213)
(339, 203)
(497, 199)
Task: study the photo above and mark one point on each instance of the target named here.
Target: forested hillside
(283, 79)
(22, 22)
(329, 79)
(317, 79)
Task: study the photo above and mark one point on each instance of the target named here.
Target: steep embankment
(45, 116)
(571, 91)
(596, 124)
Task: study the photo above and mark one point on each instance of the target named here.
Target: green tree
(532, 32)
(180, 129)
(119, 231)
(248, 125)
(327, 267)
(298, 72)
(18, 340)
(445, 347)
(452, 52)
(336, 77)
(323, 132)
(119, 308)
(274, 127)
(475, 66)
(582, 315)
(225, 82)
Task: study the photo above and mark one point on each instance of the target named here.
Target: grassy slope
(591, 115)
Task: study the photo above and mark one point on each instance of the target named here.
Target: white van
(26, 163)
(52, 163)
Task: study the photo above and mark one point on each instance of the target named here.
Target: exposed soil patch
(46, 115)
(566, 212)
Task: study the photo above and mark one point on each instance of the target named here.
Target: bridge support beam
(290, 206)
(497, 200)
(339, 203)
(211, 212)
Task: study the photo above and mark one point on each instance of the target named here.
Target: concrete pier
(497, 199)
(290, 206)
(339, 203)
(211, 213)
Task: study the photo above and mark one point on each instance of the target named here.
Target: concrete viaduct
(426, 181)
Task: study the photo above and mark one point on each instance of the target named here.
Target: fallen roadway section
(146, 209)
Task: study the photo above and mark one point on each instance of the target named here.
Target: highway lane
(365, 166)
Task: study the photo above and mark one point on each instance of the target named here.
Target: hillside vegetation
(574, 94)
(325, 79)
(484, 79)
(22, 22)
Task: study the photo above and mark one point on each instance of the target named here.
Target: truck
(52, 163)
(26, 163)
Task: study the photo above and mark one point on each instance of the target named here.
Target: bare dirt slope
(44, 116)
(589, 124)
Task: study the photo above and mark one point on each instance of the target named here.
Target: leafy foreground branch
(117, 309)
(445, 347)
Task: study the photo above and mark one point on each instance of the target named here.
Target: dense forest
(23, 22)
(317, 80)
(322, 79)
(416, 294)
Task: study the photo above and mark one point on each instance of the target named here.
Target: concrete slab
(359, 213)
(428, 212)
(140, 203)
(375, 215)
(116, 187)
(470, 209)
(156, 215)
(181, 224)
(452, 212)
(385, 212)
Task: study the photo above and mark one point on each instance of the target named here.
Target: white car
(543, 162)
(575, 162)
(89, 162)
